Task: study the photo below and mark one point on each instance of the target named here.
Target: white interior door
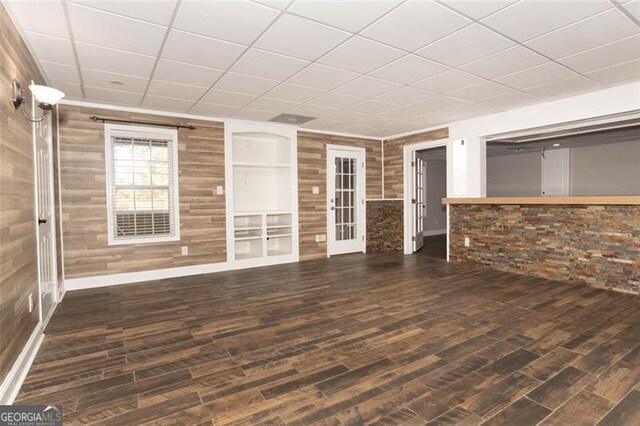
(555, 172)
(345, 200)
(47, 270)
(420, 207)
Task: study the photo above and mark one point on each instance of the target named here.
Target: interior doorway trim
(408, 151)
(360, 199)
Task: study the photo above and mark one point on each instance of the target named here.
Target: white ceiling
(372, 68)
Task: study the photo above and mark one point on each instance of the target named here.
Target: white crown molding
(415, 132)
(139, 110)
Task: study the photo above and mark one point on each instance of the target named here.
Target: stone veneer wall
(598, 245)
(385, 226)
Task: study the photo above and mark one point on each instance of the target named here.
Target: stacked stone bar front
(594, 244)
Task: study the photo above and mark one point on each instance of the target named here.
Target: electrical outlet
(315, 190)
(317, 238)
(323, 238)
(219, 190)
(185, 250)
(31, 302)
(467, 241)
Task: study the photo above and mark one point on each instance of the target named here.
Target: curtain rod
(149, 123)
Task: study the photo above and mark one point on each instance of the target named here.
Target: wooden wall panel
(393, 173)
(18, 261)
(202, 212)
(312, 171)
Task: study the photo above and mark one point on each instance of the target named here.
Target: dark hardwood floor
(434, 246)
(382, 339)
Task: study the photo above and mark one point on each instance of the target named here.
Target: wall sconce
(46, 97)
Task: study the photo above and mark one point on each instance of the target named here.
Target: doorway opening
(426, 183)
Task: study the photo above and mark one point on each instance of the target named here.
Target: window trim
(124, 130)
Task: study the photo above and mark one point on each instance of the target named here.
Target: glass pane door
(345, 212)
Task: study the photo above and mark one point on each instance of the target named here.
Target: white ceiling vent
(291, 119)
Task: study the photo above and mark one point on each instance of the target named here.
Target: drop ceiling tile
(361, 55)
(167, 104)
(601, 29)
(633, 7)
(221, 97)
(179, 72)
(275, 4)
(323, 77)
(109, 30)
(438, 103)
(198, 50)
(41, 17)
(415, 24)
(245, 84)
(337, 100)
(376, 120)
(536, 76)
(372, 107)
(61, 72)
(478, 9)
(111, 60)
(309, 110)
(531, 18)
(347, 15)
(564, 88)
(294, 93)
(464, 46)
(106, 80)
(345, 116)
(254, 115)
(466, 111)
(160, 13)
(168, 89)
(353, 128)
(118, 97)
(628, 71)
(405, 95)
(214, 110)
(322, 124)
(408, 69)
(300, 38)
(448, 81)
(605, 56)
(236, 21)
(275, 105)
(52, 49)
(402, 113)
(483, 90)
(505, 62)
(71, 91)
(269, 65)
(368, 87)
(509, 101)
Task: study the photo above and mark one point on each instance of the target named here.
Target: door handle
(333, 208)
(41, 221)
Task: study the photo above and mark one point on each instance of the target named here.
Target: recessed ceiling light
(116, 83)
(556, 144)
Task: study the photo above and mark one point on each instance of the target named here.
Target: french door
(345, 200)
(45, 220)
(420, 207)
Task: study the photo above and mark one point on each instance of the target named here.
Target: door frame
(361, 181)
(409, 177)
(52, 215)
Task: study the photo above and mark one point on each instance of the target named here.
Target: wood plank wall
(18, 261)
(312, 171)
(84, 205)
(393, 152)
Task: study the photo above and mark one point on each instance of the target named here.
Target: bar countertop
(613, 200)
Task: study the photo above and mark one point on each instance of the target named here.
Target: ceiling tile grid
(362, 67)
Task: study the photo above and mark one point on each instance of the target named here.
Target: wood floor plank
(403, 340)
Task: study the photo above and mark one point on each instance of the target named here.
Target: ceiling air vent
(291, 119)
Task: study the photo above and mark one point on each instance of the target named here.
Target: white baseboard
(136, 277)
(434, 232)
(13, 382)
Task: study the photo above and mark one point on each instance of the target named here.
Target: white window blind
(142, 186)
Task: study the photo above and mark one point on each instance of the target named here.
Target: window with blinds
(142, 187)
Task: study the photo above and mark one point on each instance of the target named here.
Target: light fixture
(556, 144)
(45, 96)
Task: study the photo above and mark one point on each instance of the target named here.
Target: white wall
(514, 175)
(435, 191)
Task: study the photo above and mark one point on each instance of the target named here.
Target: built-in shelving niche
(262, 203)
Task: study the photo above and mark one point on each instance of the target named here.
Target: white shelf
(253, 212)
(247, 228)
(278, 226)
(278, 236)
(245, 164)
(257, 237)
